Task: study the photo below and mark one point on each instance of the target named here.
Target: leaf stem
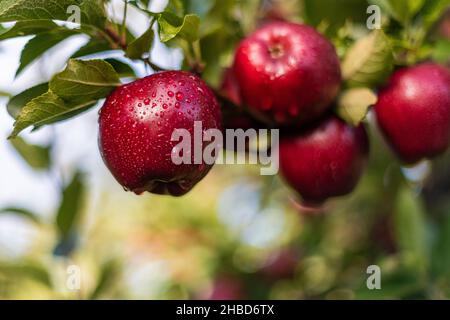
(124, 23)
(153, 65)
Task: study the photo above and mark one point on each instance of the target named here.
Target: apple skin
(230, 88)
(226, 287)
(324, 161)
(281, 265)
(413, 112)
(136, 124)
(287, 73)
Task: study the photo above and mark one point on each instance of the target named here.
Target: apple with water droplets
(287, 73)
(136, 124)
(413, 112)
(325, 160)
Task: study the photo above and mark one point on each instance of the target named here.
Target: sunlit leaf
(17, 10)
(171, 26)
(85, 81)
(369, 61)
(92, 11)
(354, 104)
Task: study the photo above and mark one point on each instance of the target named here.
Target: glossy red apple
(324, 161)
(136, 126)
(413, 112)
(287, 73)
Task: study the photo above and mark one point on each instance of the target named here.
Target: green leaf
(21, 212)
(46, 109)
(432, 11)
(176, 6)
(84, 81)
(108, 276)
(17, 102)
(93, 13)
(411, 230)
(334, 13)
(37, 157)
(123, 69)
(92, 47)
(441, 51)
(29, 269)
(369, 61)
(40, 44)
(141, 45)
(71, 205)
(401, 10)
(171, 26)
(4, 94)
(28, 27)
(441, 254)
(18, 10)
(354, 104)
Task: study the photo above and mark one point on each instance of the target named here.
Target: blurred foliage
(229, 236)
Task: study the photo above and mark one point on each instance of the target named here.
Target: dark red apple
(324, 161)
(230, 87)
(281, 265)
(226, 287)
(413, 112)
(136, 126)
(287, 73)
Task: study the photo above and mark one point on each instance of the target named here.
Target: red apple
(413, 112)
(281, 265)
(324, 161)
(287, 73)
(225, 287)
(136, 126)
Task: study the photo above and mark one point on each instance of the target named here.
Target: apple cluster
(286, 76)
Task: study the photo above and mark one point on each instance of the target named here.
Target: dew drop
(170, 93)
(179, 96)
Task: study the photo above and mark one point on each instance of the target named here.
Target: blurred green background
(67, 229)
